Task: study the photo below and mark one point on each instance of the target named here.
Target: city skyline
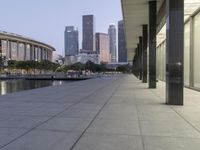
(47, 26)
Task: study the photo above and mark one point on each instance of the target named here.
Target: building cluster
(96, 47)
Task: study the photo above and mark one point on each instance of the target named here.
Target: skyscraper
(71, 41)
(122, 50)
(88, 32)
(112, 38)
(102, 47)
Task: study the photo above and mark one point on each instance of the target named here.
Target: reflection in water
(10, 86)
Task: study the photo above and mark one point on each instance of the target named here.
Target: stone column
(152, 44)
(17, 51)
(138, 62)
(25, 51)
(8, 48)
(174, 52)
(141, 59)
(144, 53)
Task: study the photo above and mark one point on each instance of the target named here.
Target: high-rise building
(112, 38)
(71, 41)
(122, 50)
(103, 47)
(88, 32)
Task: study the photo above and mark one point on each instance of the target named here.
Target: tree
(123, 68)
(103, 67)
(77, 66)
(90, 66)
(12, 64)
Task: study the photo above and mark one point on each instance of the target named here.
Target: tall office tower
(112, 38)
(71, 41)
(103, 47)
(88, 32)
(122, 50)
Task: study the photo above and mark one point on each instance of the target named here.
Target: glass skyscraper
(88, 32)
(122, 50)
(112, 38)
(71, 41)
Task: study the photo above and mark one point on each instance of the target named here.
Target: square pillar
(135, 63)
(144, 53)
(25, 51)
(174, 52)
(138, 62)
(17, 51)
(32, 52)
(152, 43)
(8, 48)
(140, 56)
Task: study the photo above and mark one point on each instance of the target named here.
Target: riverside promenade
(107, 113)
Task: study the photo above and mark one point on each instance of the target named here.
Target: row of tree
(27, 65)
(95, 67)
(88, 66)
(55, 67)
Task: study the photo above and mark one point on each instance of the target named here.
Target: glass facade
(196, 46)
(88, 32)
(161, 64)
(191, 54)
(187, 54)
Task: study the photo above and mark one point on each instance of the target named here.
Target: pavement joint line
(76, 142)
(198, 130)
(140, 127)
(170, 106)
(117, 134)
(82, 99)
(173, 137)
(144, 135)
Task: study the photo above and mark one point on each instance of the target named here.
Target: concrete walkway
(109, 113)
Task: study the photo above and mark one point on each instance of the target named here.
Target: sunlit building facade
(103, 47)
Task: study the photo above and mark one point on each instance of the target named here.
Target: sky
(45, 20)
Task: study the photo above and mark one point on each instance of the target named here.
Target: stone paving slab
(108, 113)
(109, 142)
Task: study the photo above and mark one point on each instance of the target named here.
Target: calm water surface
(10, 86)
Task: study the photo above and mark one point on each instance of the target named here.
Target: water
(10, 86)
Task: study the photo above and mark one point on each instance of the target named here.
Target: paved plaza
(107, 113)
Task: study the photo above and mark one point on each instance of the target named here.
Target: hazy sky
(45, 20)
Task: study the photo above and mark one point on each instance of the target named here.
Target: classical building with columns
(20, 48)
